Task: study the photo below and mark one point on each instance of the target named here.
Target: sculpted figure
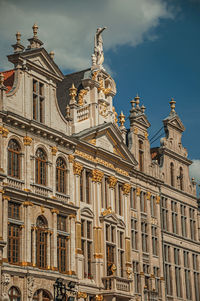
(98, 46)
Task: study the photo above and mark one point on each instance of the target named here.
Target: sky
(151, 47)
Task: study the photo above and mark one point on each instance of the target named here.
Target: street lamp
(60, 290)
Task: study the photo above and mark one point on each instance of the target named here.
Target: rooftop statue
(98, 56)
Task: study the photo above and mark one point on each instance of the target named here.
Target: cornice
(176, 156)
(181, 192)
(39, 129)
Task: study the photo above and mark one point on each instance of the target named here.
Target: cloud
(68, 26)
(195, 170)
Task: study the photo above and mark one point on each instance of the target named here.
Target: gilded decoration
(129, 272)
(81, 94)
(27, 203)
(54, 150)
(101, 161)
(113, 268)
(122, 119)
(106, 91)
(71, 158)
(81, 295)
(4, 132)
(126, 188)
(138, 190)
(146, 135)
(78, 167)
(92, 141)
(107, 211)
(98, 255)
(135, 131)
(54, 211)
(72, 94)
(103, 109)
(158, 199)
(72, 216)
(148, 195)
(27, 140)
(6, 197)
(99, 298)
(112, 182)
(97, 175)
(115, 115)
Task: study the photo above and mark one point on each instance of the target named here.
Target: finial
(35, 30)
(72, 93)
(172, 105)
(143, 108)
(137, 100)
(115, 115)
(18, 37)
(122, 119)
(52, 54)
(133, 103)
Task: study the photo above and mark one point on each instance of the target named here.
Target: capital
(97, 175)
(78, 167)
(112, 181)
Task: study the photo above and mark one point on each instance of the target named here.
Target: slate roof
(63, 87)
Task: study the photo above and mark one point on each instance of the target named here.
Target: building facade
(83, 198)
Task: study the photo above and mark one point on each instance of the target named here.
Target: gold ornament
(80, 96)
(54, 150)
(27, 140)
(112, 181)
(78, 167)
(72, 93)
(122, 119)
(97, 175)
(126, 188)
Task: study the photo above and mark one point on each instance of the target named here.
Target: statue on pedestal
(98, 56)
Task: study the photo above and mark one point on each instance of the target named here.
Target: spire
(137, 101)
(18, 47)
(34, 41)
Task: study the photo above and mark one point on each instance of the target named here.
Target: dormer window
(141, 155)
(38, 101)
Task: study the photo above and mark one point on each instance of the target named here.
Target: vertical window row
(38, 101)
(86, 246)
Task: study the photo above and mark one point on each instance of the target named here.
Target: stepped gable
(63, 87)
(8, 79)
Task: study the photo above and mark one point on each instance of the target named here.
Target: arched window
(14, 159)
(14, 294)
(61, 175)
(181, 178)
(41, 242)
(41, 295)
(172, 173)
(40, 167)
(141, 156)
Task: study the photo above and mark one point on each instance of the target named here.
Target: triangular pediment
(87, 212)
(108, 137)
(111, 218)
(143, 121)
(40, 59)
(176, 123)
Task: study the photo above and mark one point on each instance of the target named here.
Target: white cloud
(195, 170)
(68, 26)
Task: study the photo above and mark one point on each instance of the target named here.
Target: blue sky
(151, 47)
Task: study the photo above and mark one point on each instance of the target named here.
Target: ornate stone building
(85, 199)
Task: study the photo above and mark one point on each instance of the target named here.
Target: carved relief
(126, 188)
(148, 195)
(78, 167)
(27, 141)
(97, 175)
(30, 282)
(71, 158)
(80, 96)
(112, 182)
(81, 295)
(107, 211)
(54, 150)
(99, 298)
(103, 109)
(5, 280)
(138, 190)
(158, 199)
(129, 272)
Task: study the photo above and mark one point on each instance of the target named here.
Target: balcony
(117, 284)
(15, 183)
(41, 190)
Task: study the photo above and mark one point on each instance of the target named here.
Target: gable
(40, 59)
(176, 123)
(143, 120)
(108, 138)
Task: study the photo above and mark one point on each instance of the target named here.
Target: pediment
(42, 60)
(87, 212)
(108, 138)
(111, 218)
(176, 122)
(143, 120)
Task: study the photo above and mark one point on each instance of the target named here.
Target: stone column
(72, 242)
(52, 180)
(5, 224)
(1, 213)
(34, 246)
(27, 224)
(3, 148)
(54, 262)
(27, 164)
(71, 189)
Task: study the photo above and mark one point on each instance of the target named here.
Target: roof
(63, 88)
(8, 79)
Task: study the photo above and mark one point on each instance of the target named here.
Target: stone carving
(27, 141)
(80, 96)
(97, 175)
(5, 279)
(99, 298)
(30, 285)
(129, 272)
(81, 295)
(112, 182)
(107, 211)
(4, 297)
(98, 56)
(77, 168)
(126, 188)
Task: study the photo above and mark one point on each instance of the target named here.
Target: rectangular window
(164, 214)
(120, 199)
(61, 223)
(86, 246)
(153, 206)
(38, 101)
(62, 253)
(13, 210)
(192, 224)
(111, 248)
(177, 272)
(157, 280)
(13, 243)
(183, 221)
(144, 236)
(143, 206)
(87, 186)
(136, 272)
(134, 233)
(174, 217)
(154, 240)
(133, 198)
(121, 253)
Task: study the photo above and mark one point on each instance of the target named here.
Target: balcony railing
(116, 284)
(41, 190)
(15, 183)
